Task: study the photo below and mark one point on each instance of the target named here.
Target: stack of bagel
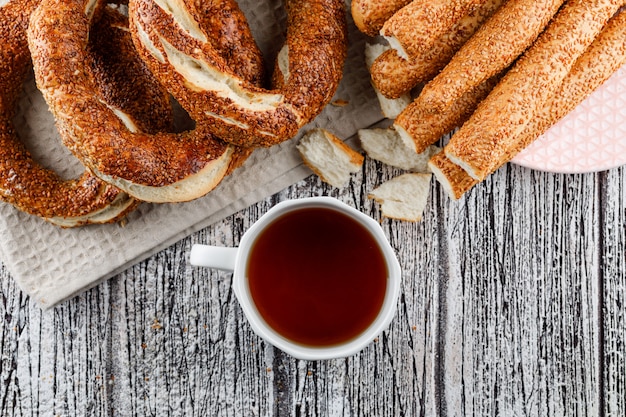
(111, 73)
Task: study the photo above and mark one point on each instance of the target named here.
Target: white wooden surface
(513, 304)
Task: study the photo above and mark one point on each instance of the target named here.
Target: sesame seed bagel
(310, 67)
(150, 166)
(42, 192)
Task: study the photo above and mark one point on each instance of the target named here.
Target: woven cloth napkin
(52, 264)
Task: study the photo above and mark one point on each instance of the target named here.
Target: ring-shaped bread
(40, 191)
(159, 167)
(309, 69)
(122, 79)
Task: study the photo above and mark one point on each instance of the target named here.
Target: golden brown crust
(423, 127)
(26, 184)
(452, 177)
(370, 15)
(394, 76)
(415, 28)
(605, 55)
(229, 34)
(158, 167)
(503, 38)
(122, 79)
(234, 109)
(528, 84)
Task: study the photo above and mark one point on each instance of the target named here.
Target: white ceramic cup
(235, 260)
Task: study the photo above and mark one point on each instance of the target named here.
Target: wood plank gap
(283, 384)
(440, 297)
(601, 186)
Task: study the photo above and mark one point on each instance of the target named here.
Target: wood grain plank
(15, 324)
(190, 353)
(499, 315)
(521, 334)
(613, 281)
(51, 369)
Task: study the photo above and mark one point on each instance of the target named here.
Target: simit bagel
(235, 110)
(40, 191)
(159, 167)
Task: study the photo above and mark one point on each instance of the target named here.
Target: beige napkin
(53, 264)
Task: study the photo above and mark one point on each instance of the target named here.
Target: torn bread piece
(390, 107)
(329, 157)
(403, 197)
(387, 146)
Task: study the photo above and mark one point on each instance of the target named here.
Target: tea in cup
(315, 277)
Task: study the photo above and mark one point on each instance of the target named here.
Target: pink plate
(591, 138)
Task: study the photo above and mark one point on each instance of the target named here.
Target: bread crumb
(156, 325)
(329, 157)
(403, 197)
(386, 145)
(340, 103)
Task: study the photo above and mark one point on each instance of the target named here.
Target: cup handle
(215, 257)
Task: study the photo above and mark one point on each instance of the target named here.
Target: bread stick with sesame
(602, 59)
(503, 38)
(419, 127)
(370, 15)
(394, 76)
(413, 30)
(533, 79)
(454, 180)
(390, 107)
